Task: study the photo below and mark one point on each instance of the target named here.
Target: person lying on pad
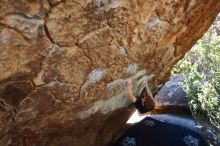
(145, 102)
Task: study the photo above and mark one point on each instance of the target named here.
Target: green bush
(201, 67)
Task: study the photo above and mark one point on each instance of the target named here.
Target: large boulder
(171, 98)
(64, 64)
(172, 93)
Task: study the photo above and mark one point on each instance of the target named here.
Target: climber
(144, 103)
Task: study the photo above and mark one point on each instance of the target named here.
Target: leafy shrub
(201, 67)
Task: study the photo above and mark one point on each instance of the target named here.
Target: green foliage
(201, 67)
(183, 67)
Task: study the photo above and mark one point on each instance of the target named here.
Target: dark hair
(149, 103)
(143, 93)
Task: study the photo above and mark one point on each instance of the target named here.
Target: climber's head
(147, 102)
(143, 101)
(143, 96)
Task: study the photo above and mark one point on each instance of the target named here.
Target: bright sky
(136, 117)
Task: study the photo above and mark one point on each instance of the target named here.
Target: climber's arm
(130, 94)
(149, 91)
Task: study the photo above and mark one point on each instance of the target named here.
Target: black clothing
(140, 107)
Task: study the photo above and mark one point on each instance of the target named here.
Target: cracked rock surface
(64, 63)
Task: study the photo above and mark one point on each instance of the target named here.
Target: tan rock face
(64, 64)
